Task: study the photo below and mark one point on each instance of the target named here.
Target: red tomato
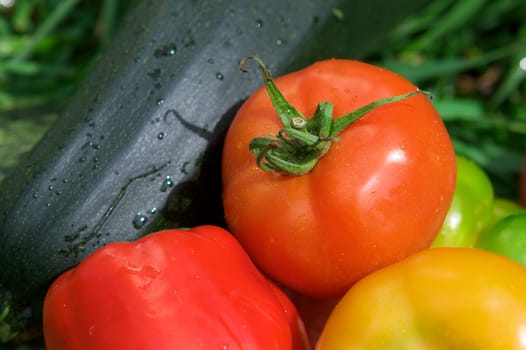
(175, 289)
(380, 193)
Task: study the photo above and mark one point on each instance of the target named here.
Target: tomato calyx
(297, 147)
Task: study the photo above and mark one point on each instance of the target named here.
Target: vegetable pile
(365, 229)
(340, 206)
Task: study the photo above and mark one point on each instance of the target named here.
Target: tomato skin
(507, 237)
(380, 194)
(471, 209)
(441, 298)
(175, 289)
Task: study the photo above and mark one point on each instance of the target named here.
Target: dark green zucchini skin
(138, 148)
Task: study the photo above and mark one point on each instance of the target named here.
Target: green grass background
(467, 53)
(46, 49)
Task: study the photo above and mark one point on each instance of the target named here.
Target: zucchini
(138, 147)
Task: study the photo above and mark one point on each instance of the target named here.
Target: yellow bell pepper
(441, 298)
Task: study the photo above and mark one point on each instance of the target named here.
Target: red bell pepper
(175, 289)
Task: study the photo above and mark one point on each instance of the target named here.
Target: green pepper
(507, 237)
(503, 207)
(471, 209)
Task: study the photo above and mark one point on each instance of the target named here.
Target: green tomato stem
(301, 143)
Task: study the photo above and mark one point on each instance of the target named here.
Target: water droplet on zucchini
(165, 50)
(139, 220)
(154, 73)
(167, 184)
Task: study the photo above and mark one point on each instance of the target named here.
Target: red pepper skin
(175, 289)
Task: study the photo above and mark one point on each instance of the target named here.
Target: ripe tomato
(380, 193)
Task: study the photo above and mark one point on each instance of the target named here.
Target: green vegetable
(471, 209)
(507, 237)
(137, 148)
(503, 207)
